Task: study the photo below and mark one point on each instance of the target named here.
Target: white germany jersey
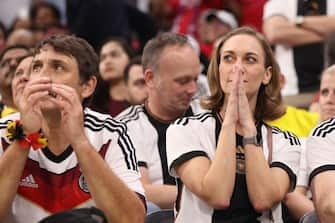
(148, 135)
(51, 183)
(320, 149)
(197, 136)
(290, 60)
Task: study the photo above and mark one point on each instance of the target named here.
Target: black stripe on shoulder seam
(201, 116)
(294, 140)
(95, 124)
(320, 170)
(276, 130)
(187, 156)
(132, 115)
(324, 128)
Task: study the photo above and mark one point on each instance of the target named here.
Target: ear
(267, 75)
(149, 78)
(88, 87)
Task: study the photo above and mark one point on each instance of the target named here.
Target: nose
(44, 71)
(238, 66)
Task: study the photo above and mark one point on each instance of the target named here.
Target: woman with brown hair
(232, 166)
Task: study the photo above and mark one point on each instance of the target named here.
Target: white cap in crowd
(222, 15)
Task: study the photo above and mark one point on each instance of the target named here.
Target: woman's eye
(18, 73)
(227, 58)
(251, 59)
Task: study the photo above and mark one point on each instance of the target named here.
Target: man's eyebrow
(49, 61)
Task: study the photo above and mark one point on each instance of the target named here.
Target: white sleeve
(182, 144)
(140, 144)
(3, 124)
(286, 154)
(320, 153)
(121, 158)
(302, 179)
(274, 8)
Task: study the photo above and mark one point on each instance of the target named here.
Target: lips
(109, 69)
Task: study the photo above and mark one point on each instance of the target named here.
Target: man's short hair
(154, 48)
(134, 61)
(80, 49)
(16, 46)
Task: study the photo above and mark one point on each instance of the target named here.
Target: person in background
(214, 24)
(9, 59)
(135, 83)
(52, 142)
(299, 202)
(300, 122)
(320, 151)
(21, 37)
(171, 69)
(295, 120)
(43, 15)
(329, 60)
(21, 76)
(230, 165)
(111, 97)
(298, 30)
(97, 20)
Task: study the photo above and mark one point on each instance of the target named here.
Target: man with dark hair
(171, 69)
(135, 83)
(87, 159)
(9, 59)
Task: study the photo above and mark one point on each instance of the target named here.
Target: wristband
(14, 131)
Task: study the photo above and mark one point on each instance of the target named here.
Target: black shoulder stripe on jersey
(324, 128)
(129, 113)
(276, 130)
(125, 143)
(127, 147)
(201, 116)
(132, 115)
(3, 124)
(294, 140)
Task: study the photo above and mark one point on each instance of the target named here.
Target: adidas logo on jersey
(29, 181)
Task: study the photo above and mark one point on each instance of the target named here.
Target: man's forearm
(12, 163)
(323, 25)
(280, 31)
(118, 202)
(162, 195)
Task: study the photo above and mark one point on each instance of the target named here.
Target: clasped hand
(237, 110)
(31, 96)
